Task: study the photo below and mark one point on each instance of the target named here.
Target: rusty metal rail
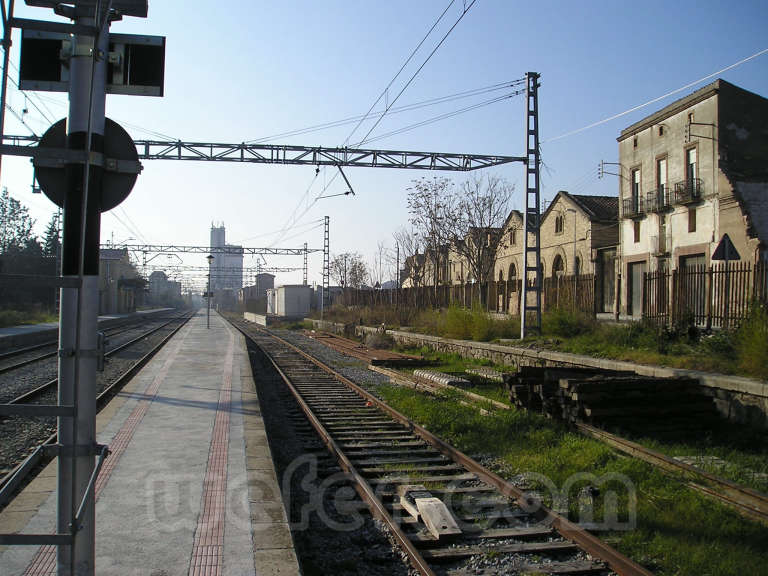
(381, 450)
(744, 500)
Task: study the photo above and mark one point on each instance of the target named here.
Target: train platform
(190, 487)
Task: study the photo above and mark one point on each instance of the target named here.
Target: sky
(240, 70)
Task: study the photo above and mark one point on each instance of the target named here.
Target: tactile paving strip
(208, 551)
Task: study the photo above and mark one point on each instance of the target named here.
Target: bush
(752, 343)
(379, 341)
(567, 323)
(456, 323)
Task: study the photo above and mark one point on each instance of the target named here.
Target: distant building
(254, 298)
(226, 268)
(164, 292)
(121, 287)
(692, 172)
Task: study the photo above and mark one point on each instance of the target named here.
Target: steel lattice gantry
(284, 154)
(177, 249)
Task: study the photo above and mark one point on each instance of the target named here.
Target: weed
(752, 339)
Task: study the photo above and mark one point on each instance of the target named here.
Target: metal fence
(503, 297)
(719, 295)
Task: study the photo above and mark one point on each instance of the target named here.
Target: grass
(741, 351)
(456, 365)
(678, 531)
(21, 317)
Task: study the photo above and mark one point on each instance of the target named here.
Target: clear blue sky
(241, 70)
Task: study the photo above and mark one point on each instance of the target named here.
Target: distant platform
(190, 487)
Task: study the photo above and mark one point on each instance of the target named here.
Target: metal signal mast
(532, 216)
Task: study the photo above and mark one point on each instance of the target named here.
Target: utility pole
(208, 293)
(326, 265)
(305, 264)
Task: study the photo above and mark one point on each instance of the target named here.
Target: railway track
(36, 391)
(441, 506)
(25, 470)
(7, 363)
(746, 501)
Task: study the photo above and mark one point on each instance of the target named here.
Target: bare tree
(482, 209)
(409, 245)
(349, 270)
(379, 269)
(432, 205)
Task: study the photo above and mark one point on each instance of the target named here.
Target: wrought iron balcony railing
(633, 207)
(657, 200)
(688, 191)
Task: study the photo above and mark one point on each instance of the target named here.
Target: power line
(445, 116)
(397, 110)
(413, 53)
(654, 100)
(420, 68)
(278, 231)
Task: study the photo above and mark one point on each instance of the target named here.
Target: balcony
(633, 207)
(688, 191)
(657, 200)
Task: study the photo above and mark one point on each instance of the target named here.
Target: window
(513, 236)
(691, 173)
(661, 176)
(577, 266)
(661, 130)
(691, 219)
(558, 268)
(634, 142)
(513, 278)
(637, 230)
(634, 184)
(559, 224)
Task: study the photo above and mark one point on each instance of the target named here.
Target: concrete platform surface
(190, 487)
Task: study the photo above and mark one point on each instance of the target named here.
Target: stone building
(690, 173)
(578, 234)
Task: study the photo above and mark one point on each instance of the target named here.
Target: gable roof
(596, 208)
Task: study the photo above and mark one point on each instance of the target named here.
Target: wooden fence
(718, 295)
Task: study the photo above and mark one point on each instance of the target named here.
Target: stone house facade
(690, 173)
(579, 235)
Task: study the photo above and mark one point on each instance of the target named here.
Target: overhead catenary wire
(407, 61)
(381, 95)
(445, 116)
(418, 70)
(397, 110)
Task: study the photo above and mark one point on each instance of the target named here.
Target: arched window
(559, 221)
(577, 266)
(501, 275)
(557, 266)
(513, 277)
